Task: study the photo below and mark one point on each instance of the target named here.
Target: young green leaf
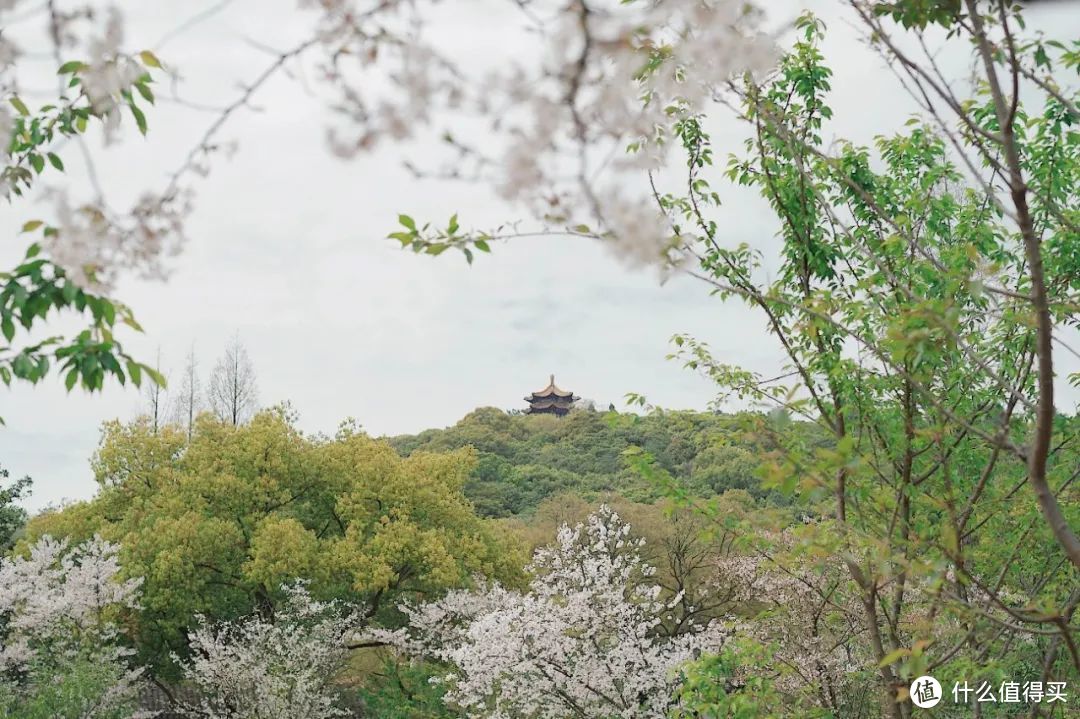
(71, 67)
(140, 118)
(19, 105)
(149, 59)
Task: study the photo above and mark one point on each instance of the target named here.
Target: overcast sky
(286, 248)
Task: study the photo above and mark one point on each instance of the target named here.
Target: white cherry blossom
(586, 640)
(257, 668)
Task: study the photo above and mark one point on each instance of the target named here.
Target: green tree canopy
(218, 525)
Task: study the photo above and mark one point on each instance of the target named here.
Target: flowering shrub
(585, 640)
(803, 642)
(60, 650)
(257, 668)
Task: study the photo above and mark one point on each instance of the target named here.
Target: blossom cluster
(585, 640)
(60, 594)
(93, 243)
(805, 612)
(59, 603)
(263, 668)
(593, 78)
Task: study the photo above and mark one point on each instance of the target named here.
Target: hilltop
(526, 458)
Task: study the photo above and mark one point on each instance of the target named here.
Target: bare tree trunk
(188, 403)
(157, 400)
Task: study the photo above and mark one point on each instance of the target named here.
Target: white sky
(286, 247)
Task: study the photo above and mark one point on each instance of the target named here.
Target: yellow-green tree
(217, 525)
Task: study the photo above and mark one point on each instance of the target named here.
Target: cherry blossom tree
(263, 668)
(593, 77)
(60, 649)
(586, 640)
(801, 635)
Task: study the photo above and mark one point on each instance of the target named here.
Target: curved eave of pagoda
(562, 403)
(548, 393)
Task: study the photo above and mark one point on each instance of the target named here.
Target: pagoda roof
(560, 402)
(552, 391)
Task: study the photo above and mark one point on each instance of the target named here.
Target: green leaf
(894, 656)
(407, 222)
(71, 379)
(128, 319)
(140, 118)
(55, 161)
(8, 327)
(482, 245)
(37, 161)
(32, 225)
(157, 377)
(135, 371)
(71, 67)
(146, 93)
(949, 538)
(149, 59)
(19, 105)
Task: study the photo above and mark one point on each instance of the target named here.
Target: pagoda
(551, 400)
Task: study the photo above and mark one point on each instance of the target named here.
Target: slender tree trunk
(1038, 449)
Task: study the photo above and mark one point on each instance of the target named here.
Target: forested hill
(525, 458)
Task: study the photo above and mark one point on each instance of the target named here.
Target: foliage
(918, 291)
(523, 459)
(65, 270)
(217, 525)
(711, 690)
(406, 690)
(922, 292)
(28, 294)
(12, 516)
(73, 686)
